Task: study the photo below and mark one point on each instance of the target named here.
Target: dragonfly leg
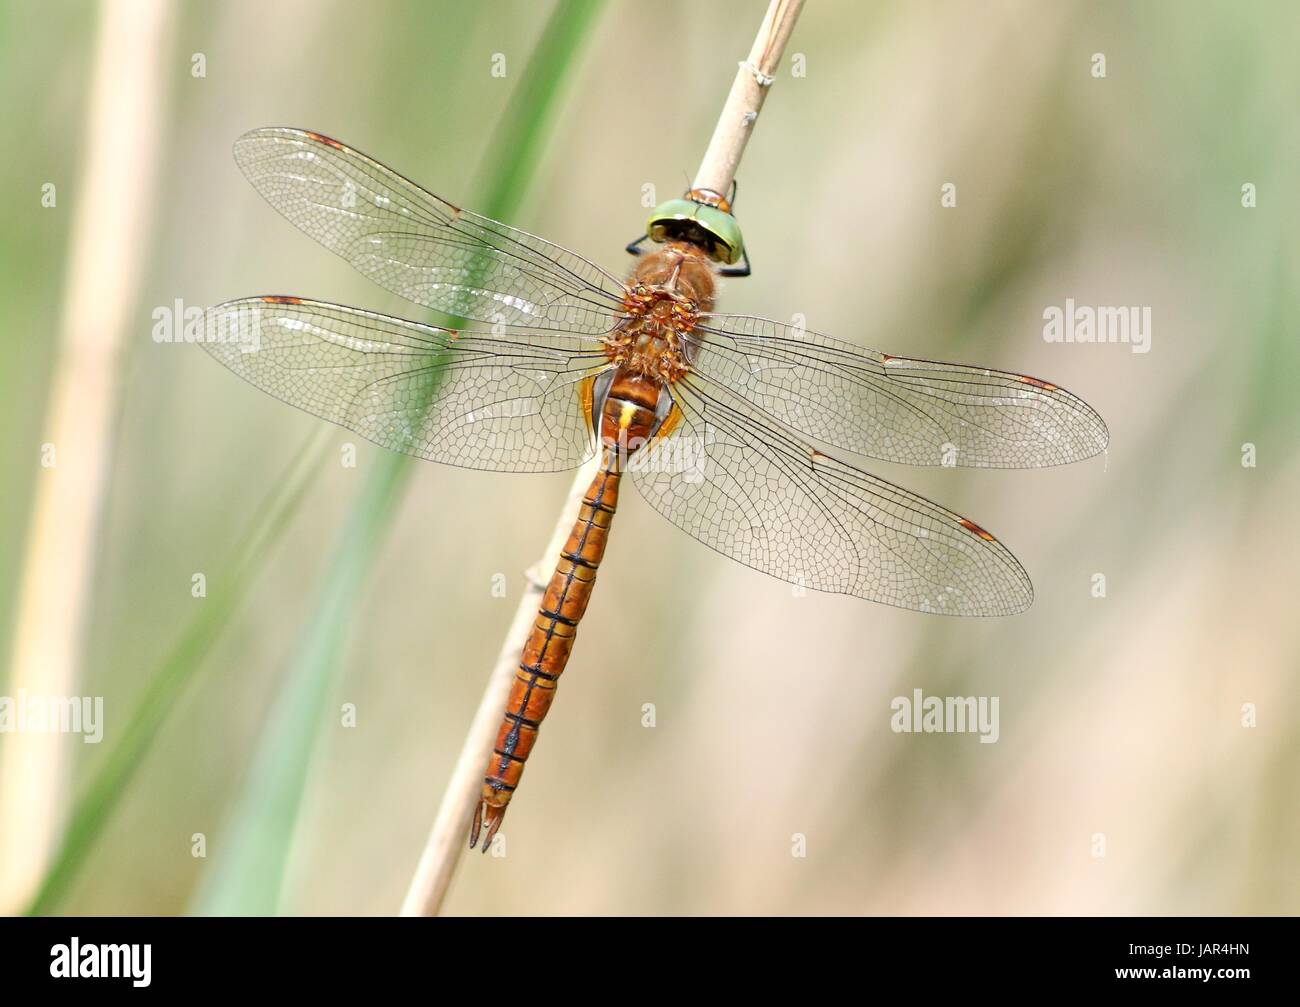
(742, 270)
(634, 247)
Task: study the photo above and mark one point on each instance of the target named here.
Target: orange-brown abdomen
(547, 648)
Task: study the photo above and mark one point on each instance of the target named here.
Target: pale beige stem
(753, 80)
(447, 840)
(112, 205)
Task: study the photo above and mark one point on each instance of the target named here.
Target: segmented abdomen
(547, 648)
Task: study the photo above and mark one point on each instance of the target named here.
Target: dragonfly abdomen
(627, 420)
(546, 651)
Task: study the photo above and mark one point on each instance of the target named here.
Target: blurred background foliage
(1120, 716)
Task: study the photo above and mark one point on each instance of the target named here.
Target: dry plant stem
(112, 203)
(446, 842)
(753, 80)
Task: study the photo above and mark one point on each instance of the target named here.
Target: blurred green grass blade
(97, 802)
(520, 135)
(1269, 405)
(248, 871)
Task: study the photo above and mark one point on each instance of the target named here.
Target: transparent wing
(741, 485)
(920, 412)
(420, 246)
(480, 401)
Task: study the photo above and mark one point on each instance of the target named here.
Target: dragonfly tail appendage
(546, 651)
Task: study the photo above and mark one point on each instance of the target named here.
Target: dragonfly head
(703, 218)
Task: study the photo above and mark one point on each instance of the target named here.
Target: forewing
(748, 489)
(502, 403)
(423, 247)
(899, 409)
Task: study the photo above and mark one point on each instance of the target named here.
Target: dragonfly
(734, 427)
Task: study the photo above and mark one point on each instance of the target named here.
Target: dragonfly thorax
(666, 293)
(679, 270)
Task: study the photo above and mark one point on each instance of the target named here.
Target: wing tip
(1016, 590)
(1025, 600)
(1017, 600)
(1018, 594)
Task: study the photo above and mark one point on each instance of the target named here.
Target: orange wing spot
(586, 396)
(971, 526)
(1046, 386)
(670, 423)
(328, 141)
(281, 299)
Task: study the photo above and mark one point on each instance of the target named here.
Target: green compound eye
(709, 227)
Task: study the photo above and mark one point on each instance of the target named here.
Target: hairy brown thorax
(679, 267)
(666, 293)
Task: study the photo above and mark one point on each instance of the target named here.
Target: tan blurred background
(1121, 717)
